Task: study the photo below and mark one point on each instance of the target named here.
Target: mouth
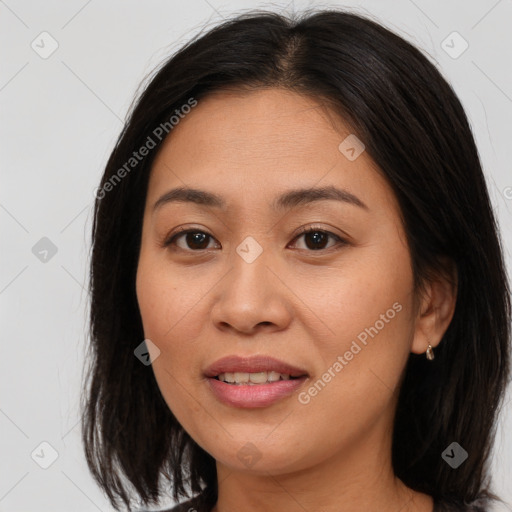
(257, 381)
(250, 395)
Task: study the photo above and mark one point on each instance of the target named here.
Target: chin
(260, 458)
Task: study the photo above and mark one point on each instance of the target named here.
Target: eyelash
(304, 231)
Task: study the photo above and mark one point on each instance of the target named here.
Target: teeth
(252, 378)
(258, 378)
(240, 377)
(273, 376)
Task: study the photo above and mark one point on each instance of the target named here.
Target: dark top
(197, 504)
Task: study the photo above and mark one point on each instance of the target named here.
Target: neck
(360, 479)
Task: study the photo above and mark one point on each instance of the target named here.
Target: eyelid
(314, 227)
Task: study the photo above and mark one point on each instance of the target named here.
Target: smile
(251, 379)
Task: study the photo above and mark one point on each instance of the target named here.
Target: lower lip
(259, 395)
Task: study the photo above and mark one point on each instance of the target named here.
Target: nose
(252, 298)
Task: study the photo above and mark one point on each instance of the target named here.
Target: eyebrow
(287, 200)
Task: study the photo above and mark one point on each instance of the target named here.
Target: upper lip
(252, 364)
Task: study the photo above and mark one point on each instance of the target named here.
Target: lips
(253, 364)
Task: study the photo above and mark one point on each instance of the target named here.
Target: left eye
(316, 238)
(197, 240)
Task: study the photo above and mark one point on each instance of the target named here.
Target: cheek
(167, 299)
(368, 311)
(170, 305)
(368, 297)
(362, 359)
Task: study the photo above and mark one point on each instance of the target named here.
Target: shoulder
(478, 505)
(192, 505)
(188, 506)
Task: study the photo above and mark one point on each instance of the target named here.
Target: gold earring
(430, 352)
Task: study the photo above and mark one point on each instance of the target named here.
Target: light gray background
(60, 117)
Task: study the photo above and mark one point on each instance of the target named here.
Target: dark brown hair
(415, 129)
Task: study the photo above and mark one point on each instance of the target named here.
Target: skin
(297, 304)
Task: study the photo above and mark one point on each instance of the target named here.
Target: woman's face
(336, 304)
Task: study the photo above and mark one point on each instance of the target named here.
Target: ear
(436, 308)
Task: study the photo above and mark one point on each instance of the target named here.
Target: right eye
(195, 240)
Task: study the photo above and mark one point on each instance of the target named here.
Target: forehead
(268, 123)
(254, 143)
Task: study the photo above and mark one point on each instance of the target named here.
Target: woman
(299, 299)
